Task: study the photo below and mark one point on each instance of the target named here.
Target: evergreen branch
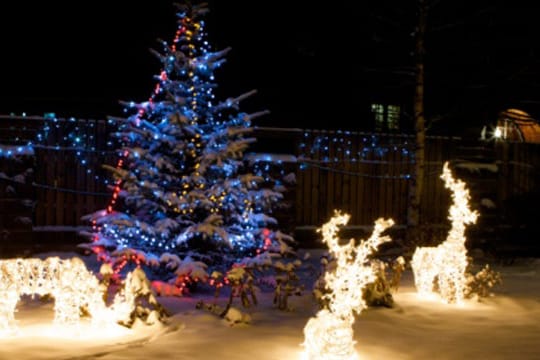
(249, 117)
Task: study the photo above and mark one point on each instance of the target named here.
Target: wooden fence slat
(315, 178)
(332, 175)
(59, 179)
(300, 179)
(390, 158)
(70, 183)
(363, 170)
(346, 185)
(354, 203)
(80, 176)
(91, 187)
(337, 164)
(50, 175)
(39, 212)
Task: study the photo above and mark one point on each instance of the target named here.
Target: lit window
(386, 117)
(378, 114)
(392, 118)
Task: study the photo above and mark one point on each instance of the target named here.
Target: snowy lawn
(506, 326)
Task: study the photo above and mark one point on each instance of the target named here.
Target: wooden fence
(367, 176)
(364, 174)
(70, 182)
(518, 182)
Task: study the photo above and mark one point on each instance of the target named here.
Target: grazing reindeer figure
(68, 281)
(329, 335)
(442, 268)
(73, 287)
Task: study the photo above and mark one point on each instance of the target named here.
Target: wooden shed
(516, 125)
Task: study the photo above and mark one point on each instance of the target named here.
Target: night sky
(45, 70)
(302, 58)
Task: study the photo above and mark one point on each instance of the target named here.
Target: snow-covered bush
(481, 284)
(246, 279)
(377, 293)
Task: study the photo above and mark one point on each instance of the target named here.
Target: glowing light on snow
(329, 335)
(442, 268)
(72, 286)
(83, 331)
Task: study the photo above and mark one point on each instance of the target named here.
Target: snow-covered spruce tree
(185, 198)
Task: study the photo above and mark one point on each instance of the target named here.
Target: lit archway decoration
(69, 282)
(329, 335)
(442, 269)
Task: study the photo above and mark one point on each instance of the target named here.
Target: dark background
(312, 64)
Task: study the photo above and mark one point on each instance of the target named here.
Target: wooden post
(416, 184)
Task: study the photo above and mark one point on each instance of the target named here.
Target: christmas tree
(185, 197)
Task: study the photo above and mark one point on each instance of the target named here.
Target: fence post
(503, 179)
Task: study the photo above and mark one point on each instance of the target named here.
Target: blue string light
(183, 159)
(320, 150)
(78, 140)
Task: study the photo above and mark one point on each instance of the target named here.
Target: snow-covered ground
(506, 326)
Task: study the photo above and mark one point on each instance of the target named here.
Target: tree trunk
(417, 180)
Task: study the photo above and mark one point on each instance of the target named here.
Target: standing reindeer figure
(329, 335)
(442, 268)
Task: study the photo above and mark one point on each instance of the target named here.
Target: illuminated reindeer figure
(70, 283)
(329, 335)
(442, 268)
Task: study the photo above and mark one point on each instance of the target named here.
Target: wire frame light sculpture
(442, 269)
(329, 335)
(74, 288)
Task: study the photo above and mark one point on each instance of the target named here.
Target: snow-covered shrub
(481, 284)
(377, 293)
(246, 278)
(146, 308)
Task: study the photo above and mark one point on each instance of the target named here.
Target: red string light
(157, 88)
(117, 186)
(181, 282)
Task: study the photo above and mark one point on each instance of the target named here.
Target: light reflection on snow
(83, 332)
(414, 299)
